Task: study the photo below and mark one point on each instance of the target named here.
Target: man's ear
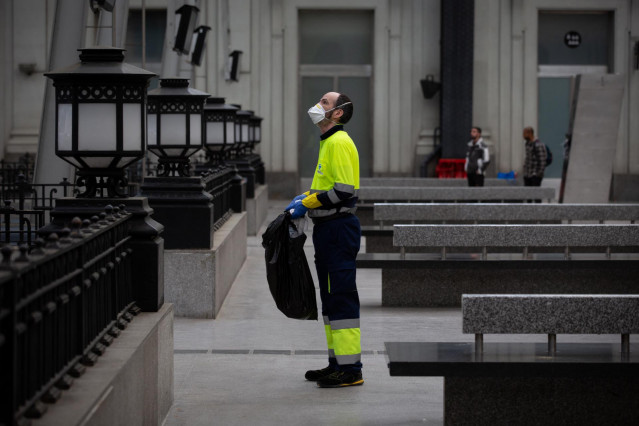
(338, 113)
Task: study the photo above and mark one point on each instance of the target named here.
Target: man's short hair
(477, 128)
(348, 108)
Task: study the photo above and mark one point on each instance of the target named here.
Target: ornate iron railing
(26, 207)
(218, 183)
(60, 306)
(9, 171)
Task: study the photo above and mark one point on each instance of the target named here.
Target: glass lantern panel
(132, 127)
(125, 161)
(151, 129)
(245, 133)
(215, 133)
(196, 129)
(258, 134)
(98, 162)
(97, 127)
(174, 152)
(230, 132)
(173, 129)
(75, 162)
(238, 132)
(191, 151)
(65, 120)
(153, 149)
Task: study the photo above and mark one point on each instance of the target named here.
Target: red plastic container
(451, 168)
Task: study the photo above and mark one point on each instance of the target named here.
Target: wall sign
(572, 39)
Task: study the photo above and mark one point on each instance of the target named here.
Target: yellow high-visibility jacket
(336, 181)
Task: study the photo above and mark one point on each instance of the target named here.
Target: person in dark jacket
(535, 160)
(477, 158)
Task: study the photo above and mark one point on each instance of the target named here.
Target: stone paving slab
(229, 384)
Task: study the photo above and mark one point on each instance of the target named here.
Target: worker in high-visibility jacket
(336, 237)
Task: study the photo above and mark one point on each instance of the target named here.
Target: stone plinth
(256, 209)
(131, 384)
(197, 281)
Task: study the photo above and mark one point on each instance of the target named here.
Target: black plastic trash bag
(287, 272)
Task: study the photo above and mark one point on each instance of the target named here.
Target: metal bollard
(479, 343)
(552, 344)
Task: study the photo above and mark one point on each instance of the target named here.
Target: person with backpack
(536, 159)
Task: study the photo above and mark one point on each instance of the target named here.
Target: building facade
(526, 54)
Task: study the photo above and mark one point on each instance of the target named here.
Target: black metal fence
(26, 207)
(9, 171)
(218, 183)
(60, 306)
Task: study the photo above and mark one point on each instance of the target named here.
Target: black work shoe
(340, 379)
(315, 375)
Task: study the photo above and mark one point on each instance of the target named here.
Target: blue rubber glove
(298, 210)
(292, 203)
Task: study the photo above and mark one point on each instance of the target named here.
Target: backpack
(548, 156)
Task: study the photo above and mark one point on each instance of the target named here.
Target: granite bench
(379, 237)
(550, 314)
(556, 259)
(369, 195)
(530, 383)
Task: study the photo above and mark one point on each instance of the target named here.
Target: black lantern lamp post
(189, 205)
(219, 128)
(256, 131)
(175, 125)
(100, 118)
(254, 158)
(101, 129)
(242, 130)
(243, 137)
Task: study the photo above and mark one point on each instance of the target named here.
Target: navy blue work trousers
(337, 242)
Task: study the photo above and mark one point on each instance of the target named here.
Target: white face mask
(317, 113)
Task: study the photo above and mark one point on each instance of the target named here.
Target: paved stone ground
(247, 366)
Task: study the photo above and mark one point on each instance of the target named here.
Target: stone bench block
(550, 314)
(516, 236)
(502, 212)
(257, 209)
(197, 281)
(458, 194)
(441, 283)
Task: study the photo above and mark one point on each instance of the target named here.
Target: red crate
(451, 168)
